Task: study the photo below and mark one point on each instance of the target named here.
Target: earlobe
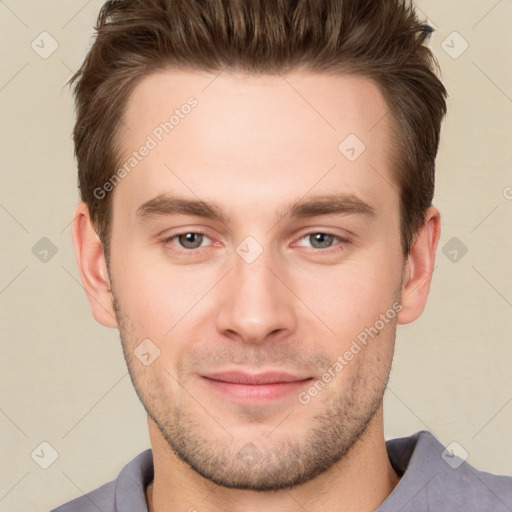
(419, 267)
(90, 258)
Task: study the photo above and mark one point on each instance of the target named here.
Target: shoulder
(127, 492)
(102, 498)
(433, 478)
(475, 488)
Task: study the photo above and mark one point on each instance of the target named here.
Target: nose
(256, 301)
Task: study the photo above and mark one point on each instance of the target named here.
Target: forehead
(257, 137)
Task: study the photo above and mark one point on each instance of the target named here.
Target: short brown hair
(379, 39)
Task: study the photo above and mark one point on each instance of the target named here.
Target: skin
(253, 145)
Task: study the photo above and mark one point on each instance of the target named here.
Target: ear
(90, 257)
(419, 267)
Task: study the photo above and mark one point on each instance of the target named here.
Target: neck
(359, 482)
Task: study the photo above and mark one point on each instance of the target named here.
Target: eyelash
(192, 252)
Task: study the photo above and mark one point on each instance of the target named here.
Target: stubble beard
(266, 463)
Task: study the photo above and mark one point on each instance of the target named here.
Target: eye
(321, 240)
(187, 241)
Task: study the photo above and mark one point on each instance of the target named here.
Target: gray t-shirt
(432, 480)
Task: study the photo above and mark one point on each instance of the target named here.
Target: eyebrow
(339, 204)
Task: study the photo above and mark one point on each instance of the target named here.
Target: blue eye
(187, 241)
(321, 240)
(191, 240)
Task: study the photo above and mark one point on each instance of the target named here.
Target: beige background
(63, 378)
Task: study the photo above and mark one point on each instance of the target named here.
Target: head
(257, 183)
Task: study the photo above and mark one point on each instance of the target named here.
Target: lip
(268, 377)
(255, 388)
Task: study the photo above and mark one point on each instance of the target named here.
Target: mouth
(255, 388)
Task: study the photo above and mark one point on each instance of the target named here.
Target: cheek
(163, 300)
(351, 296)
(164, 304)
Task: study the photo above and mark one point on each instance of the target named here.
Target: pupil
(189, 239)
(322, 238)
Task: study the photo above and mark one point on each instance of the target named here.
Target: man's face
(263, 289)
